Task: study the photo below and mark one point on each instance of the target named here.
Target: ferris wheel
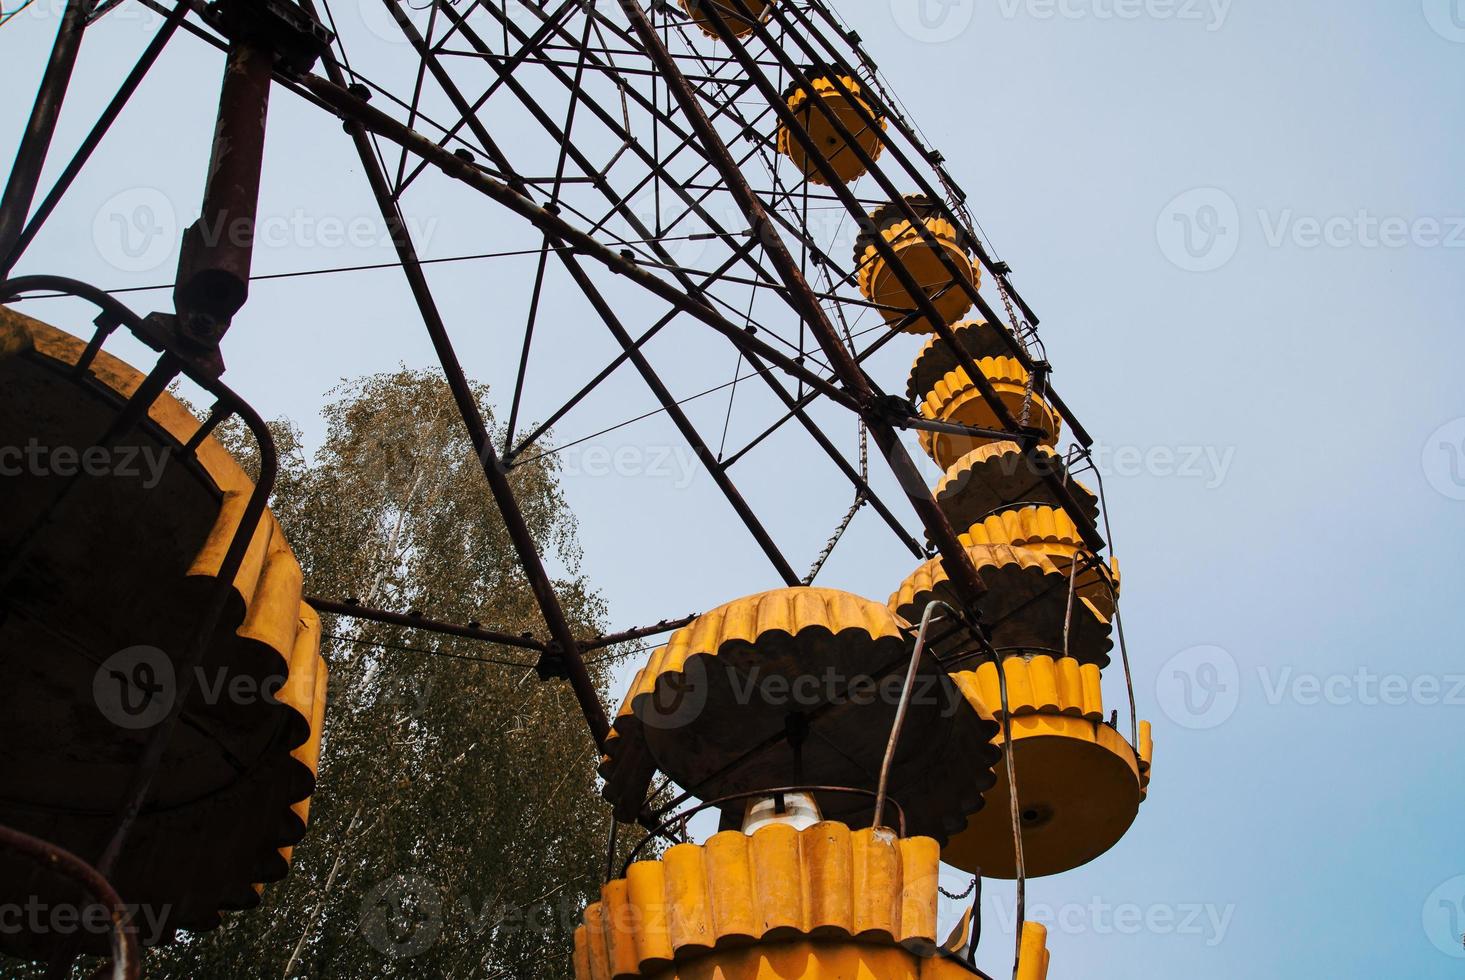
(743, 168)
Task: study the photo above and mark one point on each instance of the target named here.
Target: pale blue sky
(1271, 426)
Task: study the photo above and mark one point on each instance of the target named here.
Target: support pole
(36, 142)
(213, 269)
(9, 256)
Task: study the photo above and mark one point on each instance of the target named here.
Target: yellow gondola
(1052, 532)
(96, 617)
(794, 687)
(936, 358)
(879, 282)
(955, 398)
(822, 903)
(1079, 782)
(1025, 607)
(1001, 474)
(730, 13)
(841, 96)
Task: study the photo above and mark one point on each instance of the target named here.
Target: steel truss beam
(693, 81)
(958, 563)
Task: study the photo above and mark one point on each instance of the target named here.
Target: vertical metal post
(36, 142)
(905, 701)
(213, 270)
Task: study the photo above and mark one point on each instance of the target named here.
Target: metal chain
(957, 898)
(849, 515)
(1020, 330)
(864, 480)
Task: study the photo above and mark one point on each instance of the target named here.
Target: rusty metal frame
(845, 384)
(852, 388)
(126, 962)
